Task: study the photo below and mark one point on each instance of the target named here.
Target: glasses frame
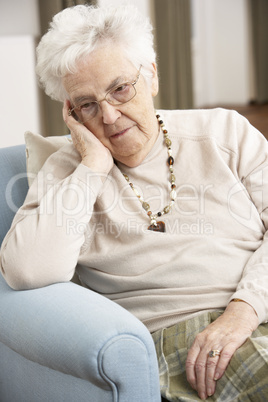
(70, 111)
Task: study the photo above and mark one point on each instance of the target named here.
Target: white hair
(76, 31)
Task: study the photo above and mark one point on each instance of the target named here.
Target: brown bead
(170, 161)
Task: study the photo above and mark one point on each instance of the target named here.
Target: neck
(136, 160)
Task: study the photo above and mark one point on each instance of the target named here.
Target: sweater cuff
(254, 300)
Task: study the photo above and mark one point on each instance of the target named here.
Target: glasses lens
(121, 94)
(87, 111)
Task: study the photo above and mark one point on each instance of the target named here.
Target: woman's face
(129, 130)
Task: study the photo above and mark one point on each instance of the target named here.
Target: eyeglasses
(118, 95)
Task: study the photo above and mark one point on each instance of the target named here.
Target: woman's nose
(109, 112)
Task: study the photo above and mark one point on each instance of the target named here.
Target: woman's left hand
(225, 334)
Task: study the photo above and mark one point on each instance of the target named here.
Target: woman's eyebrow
(82, 99)
(115, 82)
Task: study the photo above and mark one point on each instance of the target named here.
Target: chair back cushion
(13, 184)
(19, 166)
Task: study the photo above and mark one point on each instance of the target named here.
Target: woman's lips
(120, 133)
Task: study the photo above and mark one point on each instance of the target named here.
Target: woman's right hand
(93, 153)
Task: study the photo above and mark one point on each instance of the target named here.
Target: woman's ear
(154, 88)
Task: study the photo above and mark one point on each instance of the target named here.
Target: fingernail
(203, 396)
(216, 376)
(209, 392)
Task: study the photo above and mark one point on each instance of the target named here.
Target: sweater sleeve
(252, 168)
(43, 245)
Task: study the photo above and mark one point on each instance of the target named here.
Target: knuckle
(211, 363)
(189, 363)
(200, 366)
(226, 355)
(199, 337)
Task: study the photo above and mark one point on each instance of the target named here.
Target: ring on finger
(214, 353)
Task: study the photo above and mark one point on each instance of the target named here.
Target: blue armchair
(64, 343)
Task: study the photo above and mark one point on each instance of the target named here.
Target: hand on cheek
(93, 153)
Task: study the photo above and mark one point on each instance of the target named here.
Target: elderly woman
(164, 213)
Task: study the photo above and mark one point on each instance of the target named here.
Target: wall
(19, 104)
(221, 44)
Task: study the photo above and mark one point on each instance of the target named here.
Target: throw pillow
(38, 149)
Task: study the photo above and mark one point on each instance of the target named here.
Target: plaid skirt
(245, 379)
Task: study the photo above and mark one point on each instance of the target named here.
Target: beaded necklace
(159, 226)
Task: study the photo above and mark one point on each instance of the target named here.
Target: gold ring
(214, 353)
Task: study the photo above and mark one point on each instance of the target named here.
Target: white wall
(19, 104)
(222, 64)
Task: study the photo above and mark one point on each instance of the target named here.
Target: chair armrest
(78, 332)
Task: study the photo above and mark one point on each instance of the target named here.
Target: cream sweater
(214, 249)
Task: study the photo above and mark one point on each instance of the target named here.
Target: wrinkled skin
(225, 334)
